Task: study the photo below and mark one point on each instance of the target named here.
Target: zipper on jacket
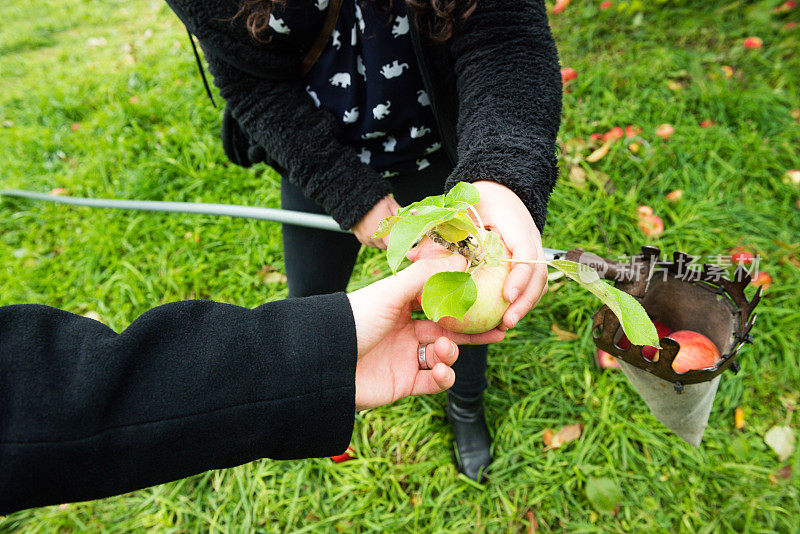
(428, 83)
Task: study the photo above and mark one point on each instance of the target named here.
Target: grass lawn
(103, 99)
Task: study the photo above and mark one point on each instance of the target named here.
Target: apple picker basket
(702, 300)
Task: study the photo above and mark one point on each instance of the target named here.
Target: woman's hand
(502, 211)
(388, 367)
(368, 224)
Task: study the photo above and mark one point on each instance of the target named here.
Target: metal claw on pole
(298, 218)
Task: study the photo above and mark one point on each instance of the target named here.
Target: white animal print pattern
(368, 78)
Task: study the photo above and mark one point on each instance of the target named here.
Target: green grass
(146, 130)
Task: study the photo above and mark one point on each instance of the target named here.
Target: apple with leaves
(489, 279)
(472, 301)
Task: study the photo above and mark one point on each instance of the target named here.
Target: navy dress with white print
(368, 77)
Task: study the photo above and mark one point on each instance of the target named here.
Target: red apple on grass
(489, 307)
(696, 351)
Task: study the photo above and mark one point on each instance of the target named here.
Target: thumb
(408, 283)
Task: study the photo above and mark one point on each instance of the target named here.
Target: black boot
(471, 435)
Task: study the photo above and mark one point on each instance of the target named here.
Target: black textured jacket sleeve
(302, 140)
(278, 114)
(190, 386)
(509, 89)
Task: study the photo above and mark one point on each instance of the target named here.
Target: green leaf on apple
(603, 494)
(385, 226)
(462, 196)
(407, 230)
(632, 316)
(448, 294)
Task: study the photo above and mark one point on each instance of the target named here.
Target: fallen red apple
(596, 136)
(742, 255)
(762, 279)
(651, 225)
(753, 43)
(696, 351)
(644, 211)
(665, 130)
(345, 456)
(632, 131)
(648, 351)
(792, 177)
(707, 124)
(613, 134)
(560, 6)
(489, 307)
(605, 4)
(568, 74)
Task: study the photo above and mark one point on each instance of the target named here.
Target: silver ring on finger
(423, 363)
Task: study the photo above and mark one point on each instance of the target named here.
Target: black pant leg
(317, 262)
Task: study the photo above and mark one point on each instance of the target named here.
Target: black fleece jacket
(495, 87)
(190, 386)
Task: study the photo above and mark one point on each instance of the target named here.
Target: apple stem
(481, 228)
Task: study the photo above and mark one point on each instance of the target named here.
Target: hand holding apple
(388, 339)
(502, 211)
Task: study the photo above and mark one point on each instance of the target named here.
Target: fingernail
(513, 318)
(514, 293)
(452, 349)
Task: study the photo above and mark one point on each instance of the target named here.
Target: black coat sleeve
(274, 111)
(509, 86)
(190, 386)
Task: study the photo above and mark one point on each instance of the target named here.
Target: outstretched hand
(388, 367)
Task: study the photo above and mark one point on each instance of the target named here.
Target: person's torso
(368, 77)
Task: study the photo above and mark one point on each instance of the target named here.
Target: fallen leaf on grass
(533, 526)
(603, 494)
(728, 70)
(598, 154)
(738, 418)
(781, 440)
(270, 275)
(547, 437)
(565, 435)
(675, 195)
(93, 315)
(577, 176)
(563, 335)
(674, 85)
(58, 191)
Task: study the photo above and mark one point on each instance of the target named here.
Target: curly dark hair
(439, 18)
